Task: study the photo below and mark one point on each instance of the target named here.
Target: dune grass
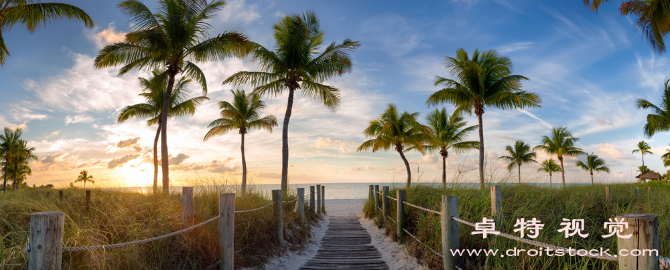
(122, 216)
(550, 205)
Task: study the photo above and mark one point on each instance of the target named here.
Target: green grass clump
(550, 205)
(123, 216)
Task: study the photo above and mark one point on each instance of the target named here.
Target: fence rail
(45, 248)
(647, 225)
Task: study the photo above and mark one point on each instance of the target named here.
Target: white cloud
(107, 36)
(82, 118)
(610, 151)
(238, 11)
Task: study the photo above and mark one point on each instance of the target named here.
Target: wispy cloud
(515, 47)
(82, 118)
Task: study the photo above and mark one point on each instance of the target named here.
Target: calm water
(333, 190)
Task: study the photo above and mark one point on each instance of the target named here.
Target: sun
(137, 174)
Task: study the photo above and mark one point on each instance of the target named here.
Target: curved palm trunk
(444, 171)
(244, 168)
(562, 171)
(158, 133)
(642, 159)
(592, 179)
(284, 138)
(165, 166)
(16, 169)
(550, 185)
(481, 151)
(519, 166)
(409, 171)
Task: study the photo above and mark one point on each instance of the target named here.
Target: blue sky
(588, 69)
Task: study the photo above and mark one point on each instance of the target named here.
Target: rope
(387, 196)
(290, 201)
(213, 265)
(247, 211)
(424, 209)
(381, 210)
(390, 219)
(417, 239)
(140, 241)
(539, 244)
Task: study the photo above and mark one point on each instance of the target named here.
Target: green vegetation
(154, 91)
(401, 132)
(644, 149)
(15, 155)
(659, 118)
(244, 114)
(123, 216)
(562, 144)
(33, 14)
(448, 132)
(593, 163)
(485, 80)
(84, 177)
(296, 64)
(549, 166)
(172, 40)
(519, 154)
(525, 201)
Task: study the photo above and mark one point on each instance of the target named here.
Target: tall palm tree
(593, 163)
(84, 177)
(19, 173)
(659, 119)
(519, 154)
(448, 132)
(666, 158)
(34, 14)
(173, 39)
(22, 154)
(485, 80)
(297, 63)
(154, 91)
(401, 132)
(549, 166)
(562, 144)
(653, 18)
(9, 141)
(244, 114)
(643, 147)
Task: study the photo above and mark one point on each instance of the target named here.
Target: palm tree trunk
(519, 166)
(284, 138)
(165, 166)
(481, 151)
(158, 133)
(592, 179)
(642, 159)
(444, 171)
(16, 169)
(409, 172)
(550, 179)
(562, 171)
(4, 183)
(244, 168)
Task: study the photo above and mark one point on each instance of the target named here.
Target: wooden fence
(642, 227)
(45, 245)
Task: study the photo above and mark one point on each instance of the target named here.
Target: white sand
(396, 256)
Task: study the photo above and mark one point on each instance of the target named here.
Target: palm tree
(519, 154)
(485, 80)
(19, 173)
(244, 114)
(154, 91)
(643, 148)
(562, 144)
(22, 154)
(549, 166)
(84, 177)
(666, 158)
(8, 144)
(659, 119)
(34, 14)
(172, 40)
(593, 163)
(653, 18)
(642, 169)
(296, 63)
(448, 132)
(400, 132)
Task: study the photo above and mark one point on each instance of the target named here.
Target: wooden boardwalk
(346, 245)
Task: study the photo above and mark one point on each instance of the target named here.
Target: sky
(588, 69)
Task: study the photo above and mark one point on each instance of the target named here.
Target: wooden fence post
(301, 204)
(318, 199)
(607, 194)
(312, 209)
(496, 206)
(46, 240)
(637, 192)
(48, 194)
(385, 203)
(370, 196)
(87, 205)
(187, 204)
(279, 213)
(323, 199)
(227, 231)
(60, 194)
(376, 199)
(450, 232)
(644, 230)
(400, 218)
